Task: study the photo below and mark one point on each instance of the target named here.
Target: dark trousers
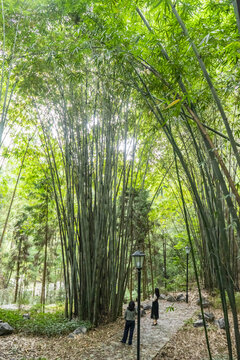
(129, 325)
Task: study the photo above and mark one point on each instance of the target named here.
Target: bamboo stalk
(236, 6)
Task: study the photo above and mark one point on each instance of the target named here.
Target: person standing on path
(129, 316)
(155, 306)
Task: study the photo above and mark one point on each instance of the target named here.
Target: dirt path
(102, 343)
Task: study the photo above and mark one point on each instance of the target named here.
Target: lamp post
(138, 257)
(187, 249)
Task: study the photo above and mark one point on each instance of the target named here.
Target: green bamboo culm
(193, 258)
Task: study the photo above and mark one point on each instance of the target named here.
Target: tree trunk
(43, 292)
(18, 268)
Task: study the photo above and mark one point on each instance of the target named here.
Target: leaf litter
(170, 339)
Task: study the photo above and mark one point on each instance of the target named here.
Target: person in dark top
(129, 316)
(154, 311)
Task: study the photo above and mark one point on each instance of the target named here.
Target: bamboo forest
(119, 179)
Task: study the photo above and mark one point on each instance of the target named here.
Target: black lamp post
(138, 257)
(187, 249)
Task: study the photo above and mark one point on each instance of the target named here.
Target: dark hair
(157, 293)
(131, 306)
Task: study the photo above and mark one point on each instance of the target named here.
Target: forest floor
(173, 338)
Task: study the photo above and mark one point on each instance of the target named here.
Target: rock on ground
(5, 329)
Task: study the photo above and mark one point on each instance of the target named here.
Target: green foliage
(188, 322)
(112, 33)
(50, 324)
(37, 308)
(127, 296)
(218, 304)
(170, 308)
(175, 282)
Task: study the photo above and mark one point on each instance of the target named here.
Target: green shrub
(13, 317)
(50, 324)
(55, 307)
(37, 308)
(175, 283)
(217, 303)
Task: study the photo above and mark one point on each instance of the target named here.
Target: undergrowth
(217, 304)
(49, 324)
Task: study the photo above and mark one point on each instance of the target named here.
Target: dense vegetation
(119, 131)
(48, 324)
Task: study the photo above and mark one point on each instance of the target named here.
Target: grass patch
(48, 324)
(188, 322)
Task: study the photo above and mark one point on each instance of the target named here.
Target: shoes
(154, 324)
(122, 342)
(130, 344)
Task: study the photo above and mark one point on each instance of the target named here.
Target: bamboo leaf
(172, 104)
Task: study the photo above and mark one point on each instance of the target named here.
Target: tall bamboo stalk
(95, 246)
